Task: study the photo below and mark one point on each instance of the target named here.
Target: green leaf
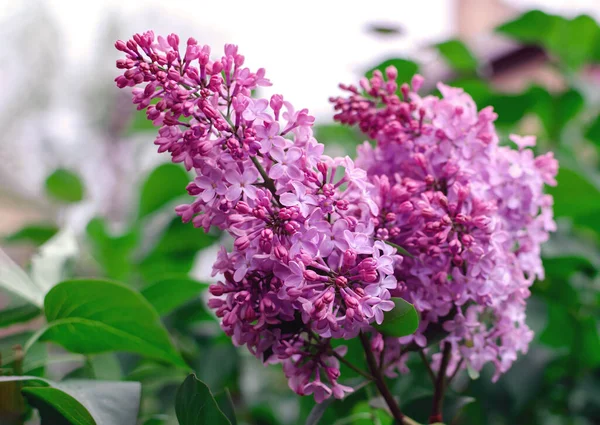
(363, 414)
(561, 327)
(195, 405)
(588, 342)
(317, 411)
(510, 108)
(457, 55)
(22, 313)
(225, 403)
(531, 27)
(164, 184)
(567, 105)
(109, 403)
(34, 233)
(64, 185)
(557, 34)
(167, 294)
(479, 90)
(90, 316)
(337, 134)
(401, 321)
(418, 408)
(140, 123)
(113, 253)
(80, 401)
(575, 195)
(593, 131)
(406, 69)
(175, 251)
(58, 408)
(585, 30)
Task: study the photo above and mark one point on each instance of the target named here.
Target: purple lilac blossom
(305, 265)
(472, 213)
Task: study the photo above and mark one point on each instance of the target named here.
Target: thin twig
(351, 366)
(427, 366)
(454, 373)
(379, 380)
(269, 183)
(440, 386)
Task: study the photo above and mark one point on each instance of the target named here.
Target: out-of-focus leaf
(419, 408)
(479, 90)
(195, 404)
(263, 414)
(587, 347)
(218, 364)
(175, 251)
(64, 185)
(317, 411)
(363, 414)
(525, 380)
(531, 27)
(140, 123)
(582, 28)
(113, 253)
(57, 407)
(561, 328)
(80, 402)
(157, 420)
(164, 184)
(561, 268)
(169, 293)
(457, 55)
(401, 321)
(557, 34)
(22, 313)
(555, 111)
(574, 195)
(406, 69)
(109, 403)
(510, 108)
(567, 105)
(36, 234)
(593, 131)
(95, 316)
(337, 134)
(225, 403)
(35, 360)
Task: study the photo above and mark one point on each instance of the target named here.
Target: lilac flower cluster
(471, 212)
(306, 265)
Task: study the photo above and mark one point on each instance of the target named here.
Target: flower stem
(440, 386)
(269, 183)
(380, 382)
(351, 366)
(427, 366)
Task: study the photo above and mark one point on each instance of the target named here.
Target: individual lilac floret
(471, 212)
(305, 264)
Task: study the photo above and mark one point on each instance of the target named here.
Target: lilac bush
(436, 212)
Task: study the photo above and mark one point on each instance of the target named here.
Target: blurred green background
(540, 72)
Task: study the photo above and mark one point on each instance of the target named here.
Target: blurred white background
(60, 106)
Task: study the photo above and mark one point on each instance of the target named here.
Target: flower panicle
(473, 214)
(305, 265)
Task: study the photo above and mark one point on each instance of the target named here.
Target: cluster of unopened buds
(315, 238)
